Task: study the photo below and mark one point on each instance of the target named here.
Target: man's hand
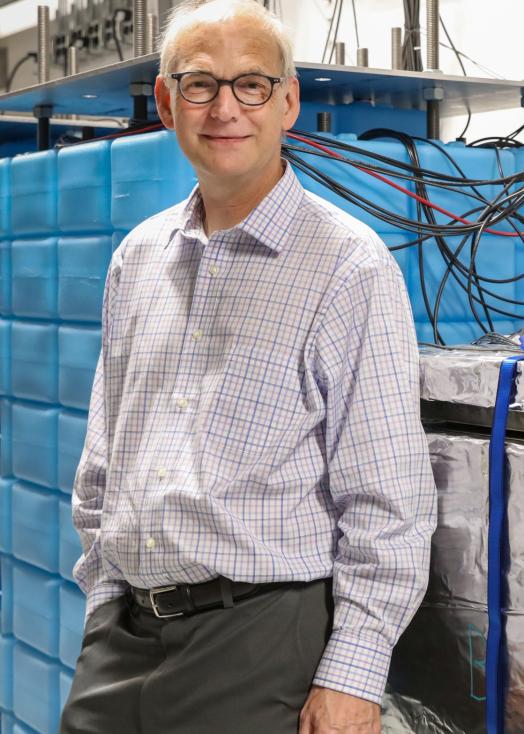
(332, 712)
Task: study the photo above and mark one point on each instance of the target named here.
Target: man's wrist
(355, 666)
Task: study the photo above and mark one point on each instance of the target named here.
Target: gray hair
(193, 13)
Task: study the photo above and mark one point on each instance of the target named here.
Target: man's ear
(292, 104)
(163, 103)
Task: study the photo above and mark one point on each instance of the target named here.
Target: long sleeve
(90, 480)
(379, 474)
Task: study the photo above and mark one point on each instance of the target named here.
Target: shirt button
(182, 403)
(150, 543)
(161, 472)
(213, 270)
(197, 334)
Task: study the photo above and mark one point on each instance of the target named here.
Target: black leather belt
(186, 599)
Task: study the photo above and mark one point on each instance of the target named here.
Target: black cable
(463, 71)
(457, 54)
(341, 145)
(391, 218)
(411, 56)
(495, 142)
(127, 15)
(356, 24)
(331, 23)
(382, 170)
(394, 218)
(31, 55)
(516, 132)
(336, 31)
(503, 207)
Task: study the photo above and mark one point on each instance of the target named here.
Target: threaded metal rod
(362, 57)
(43, 44)
(340, 53)
(396, 48)
(139, 27)
(432, 20)
(152, 32)
(433, 120)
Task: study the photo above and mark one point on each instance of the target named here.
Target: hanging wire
(463, 133)
(334, 15)
(341, 6)
(356, 24)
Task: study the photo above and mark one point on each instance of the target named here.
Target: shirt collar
(269, 223)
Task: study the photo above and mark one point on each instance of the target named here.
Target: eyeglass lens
(251, 89)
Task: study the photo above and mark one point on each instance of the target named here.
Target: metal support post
(152, 33)
(42, 113)
(43, 44)
(72, 60)
(396, 48)
(324, 122)
(433, 97)
(432, 21)
(362, 57)
(340, 53)
(140, 91)
(139, 27)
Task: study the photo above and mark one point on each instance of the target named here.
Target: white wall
(488, 31)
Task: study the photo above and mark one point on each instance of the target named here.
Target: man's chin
(229, 170)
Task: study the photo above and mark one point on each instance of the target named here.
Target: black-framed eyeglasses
(250, 89)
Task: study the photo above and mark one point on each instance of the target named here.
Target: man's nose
(225, 105)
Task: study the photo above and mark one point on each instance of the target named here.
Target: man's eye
(251, 85)
(200, 84)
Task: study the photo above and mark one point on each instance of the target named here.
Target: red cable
(334, 154)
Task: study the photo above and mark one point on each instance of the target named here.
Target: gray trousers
(246, 669)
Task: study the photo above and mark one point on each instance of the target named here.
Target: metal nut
(433, 94)
(140, 89)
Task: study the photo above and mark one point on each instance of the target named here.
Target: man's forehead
(246, 44)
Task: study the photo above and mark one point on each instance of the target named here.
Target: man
(254, 437)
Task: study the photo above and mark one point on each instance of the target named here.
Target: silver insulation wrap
(467, 376)
(437, 682)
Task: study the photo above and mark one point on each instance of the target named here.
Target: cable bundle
(411, 56)
(482, 217)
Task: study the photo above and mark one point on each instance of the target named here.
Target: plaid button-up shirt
(255, 414)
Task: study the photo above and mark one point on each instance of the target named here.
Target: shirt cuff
(103, 592)
(355, 665)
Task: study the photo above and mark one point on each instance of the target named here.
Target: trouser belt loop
(226, 592)
(187, 600)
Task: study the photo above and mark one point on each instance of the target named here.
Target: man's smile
(226, 138)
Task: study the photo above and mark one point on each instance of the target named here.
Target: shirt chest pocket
(254, 405)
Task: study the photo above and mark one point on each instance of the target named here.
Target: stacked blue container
(61, 217)
(56, 243)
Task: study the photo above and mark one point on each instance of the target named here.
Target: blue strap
(495, 673)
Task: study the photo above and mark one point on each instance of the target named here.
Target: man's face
(225, 139)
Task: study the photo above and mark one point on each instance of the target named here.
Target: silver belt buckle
(160, 590)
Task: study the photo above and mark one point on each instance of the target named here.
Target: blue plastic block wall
(62, 215)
